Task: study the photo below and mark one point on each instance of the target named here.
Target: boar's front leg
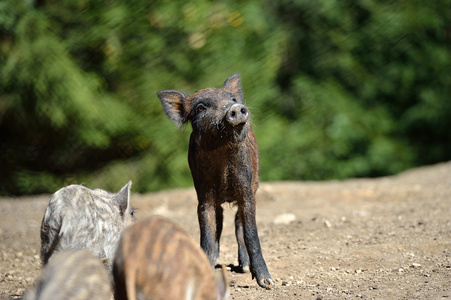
(246, 211)
(243, 256)
(210, 217)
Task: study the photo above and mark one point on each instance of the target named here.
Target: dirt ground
(385, 238)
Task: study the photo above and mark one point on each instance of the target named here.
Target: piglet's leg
(258, 265)
(209, 216)
(219, 222)
(243, 257)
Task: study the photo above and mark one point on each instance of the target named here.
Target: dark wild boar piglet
(223, 158)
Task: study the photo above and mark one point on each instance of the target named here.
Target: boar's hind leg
(219, 223)
(257, 263)
(243, 257)
(210, 223)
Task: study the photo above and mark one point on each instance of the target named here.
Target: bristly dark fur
(223, 158)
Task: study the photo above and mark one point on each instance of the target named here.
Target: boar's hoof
(266, 283)
(245, 269)
(237, 114)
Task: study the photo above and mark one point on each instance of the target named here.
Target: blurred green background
(336, 89)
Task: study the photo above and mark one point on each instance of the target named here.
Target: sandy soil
(385, 238)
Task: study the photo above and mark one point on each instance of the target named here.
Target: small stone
(415, 265)
(284, 219)
(328, 224)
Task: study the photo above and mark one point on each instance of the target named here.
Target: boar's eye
(234, 99)
(201, 108)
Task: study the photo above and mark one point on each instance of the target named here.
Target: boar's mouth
(236, 119)
(234, 133)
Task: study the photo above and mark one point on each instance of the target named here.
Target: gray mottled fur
(71, 275)
(77, 218)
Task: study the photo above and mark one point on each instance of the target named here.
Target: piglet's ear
(233, 85)
(122, 198)
(172, 102)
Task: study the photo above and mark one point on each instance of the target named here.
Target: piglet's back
(75, 275)
(77, 218)
(157, 259)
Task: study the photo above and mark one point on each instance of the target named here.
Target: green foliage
(368, 84)
(337, 89)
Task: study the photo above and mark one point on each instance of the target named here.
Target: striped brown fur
(71, 275)
(156, 259)
(78, 218)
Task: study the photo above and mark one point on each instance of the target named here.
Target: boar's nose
(237, 114)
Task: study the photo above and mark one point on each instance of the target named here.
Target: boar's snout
(237, 114)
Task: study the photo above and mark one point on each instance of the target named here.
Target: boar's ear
(233, 84)
(172, 102)
(122, 198)
(222, 284)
